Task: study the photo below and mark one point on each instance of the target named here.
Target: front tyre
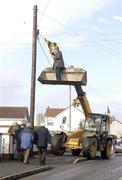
(106, 153)
(89, 148)
(92, 149)
(57, 144)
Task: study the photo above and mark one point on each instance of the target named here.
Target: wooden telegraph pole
(70, 106)
(33, 70)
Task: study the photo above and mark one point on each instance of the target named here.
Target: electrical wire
(103, 97)
(99, 43)
(43, 51)
(14, 86)
(59, 23)
(91, 34)
(44, 10)
(11, 40)
(106, 49)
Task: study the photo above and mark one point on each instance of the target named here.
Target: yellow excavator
(95, 135)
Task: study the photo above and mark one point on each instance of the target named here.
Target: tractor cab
(97, 122)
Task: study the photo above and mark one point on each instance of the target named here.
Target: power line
(61, 24)
(43, 51)
(87, 33)
(11, 40)
(44, 10)
(103, 97)
(106, 49)
(14, 86)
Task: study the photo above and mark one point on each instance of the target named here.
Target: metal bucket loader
(70, 76)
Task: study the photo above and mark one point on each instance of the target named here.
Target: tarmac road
(13, 169)
(86, 170)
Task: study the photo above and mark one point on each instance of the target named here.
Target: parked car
(118, 146)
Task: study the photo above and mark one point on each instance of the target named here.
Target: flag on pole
(50, 44)
(108, 111)
(109, 114)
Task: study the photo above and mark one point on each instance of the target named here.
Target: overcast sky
(88, 32)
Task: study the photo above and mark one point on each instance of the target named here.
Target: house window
(50, 123)
(64, 120)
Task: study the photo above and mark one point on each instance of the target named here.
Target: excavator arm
(83, 100)
(70, 76)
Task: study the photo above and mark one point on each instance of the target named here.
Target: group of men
(25, 137)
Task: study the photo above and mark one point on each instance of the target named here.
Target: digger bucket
(70, 76)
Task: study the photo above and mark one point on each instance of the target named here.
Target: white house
(8, 115)
(70, 118)
(67, 119)
(116, 128)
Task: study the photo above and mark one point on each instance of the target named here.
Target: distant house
(116, 128)
(67, 119)
(9, 115)
(39, 118)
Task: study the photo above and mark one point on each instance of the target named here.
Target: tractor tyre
(92, 149)
(57, 145)
(85, 153)
(106, 153)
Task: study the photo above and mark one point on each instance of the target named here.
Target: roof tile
(52, 112)
(13, 112)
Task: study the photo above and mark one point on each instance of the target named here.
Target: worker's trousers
(26, 155)
(42, 154)
(58, 73)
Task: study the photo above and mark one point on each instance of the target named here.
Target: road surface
(65, 169)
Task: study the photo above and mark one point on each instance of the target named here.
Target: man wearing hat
(58, 64)
(26, 137)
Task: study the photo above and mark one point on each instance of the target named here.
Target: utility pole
(33, 70)
(70, 108)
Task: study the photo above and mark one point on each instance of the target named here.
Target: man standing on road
(26, 137)
(43, 140)
(17, 142)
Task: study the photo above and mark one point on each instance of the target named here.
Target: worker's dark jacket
(58, 60)
(42, 137)
(17, 138)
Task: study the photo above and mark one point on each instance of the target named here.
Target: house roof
(13, 112)
(52, 112)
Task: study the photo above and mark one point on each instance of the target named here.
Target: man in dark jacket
(18, 142)
(58, 64)
(42, 139)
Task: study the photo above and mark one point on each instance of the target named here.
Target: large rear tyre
(76, 152)
(57, 144)
(85, 153)
(106, 153)
(92, 149)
